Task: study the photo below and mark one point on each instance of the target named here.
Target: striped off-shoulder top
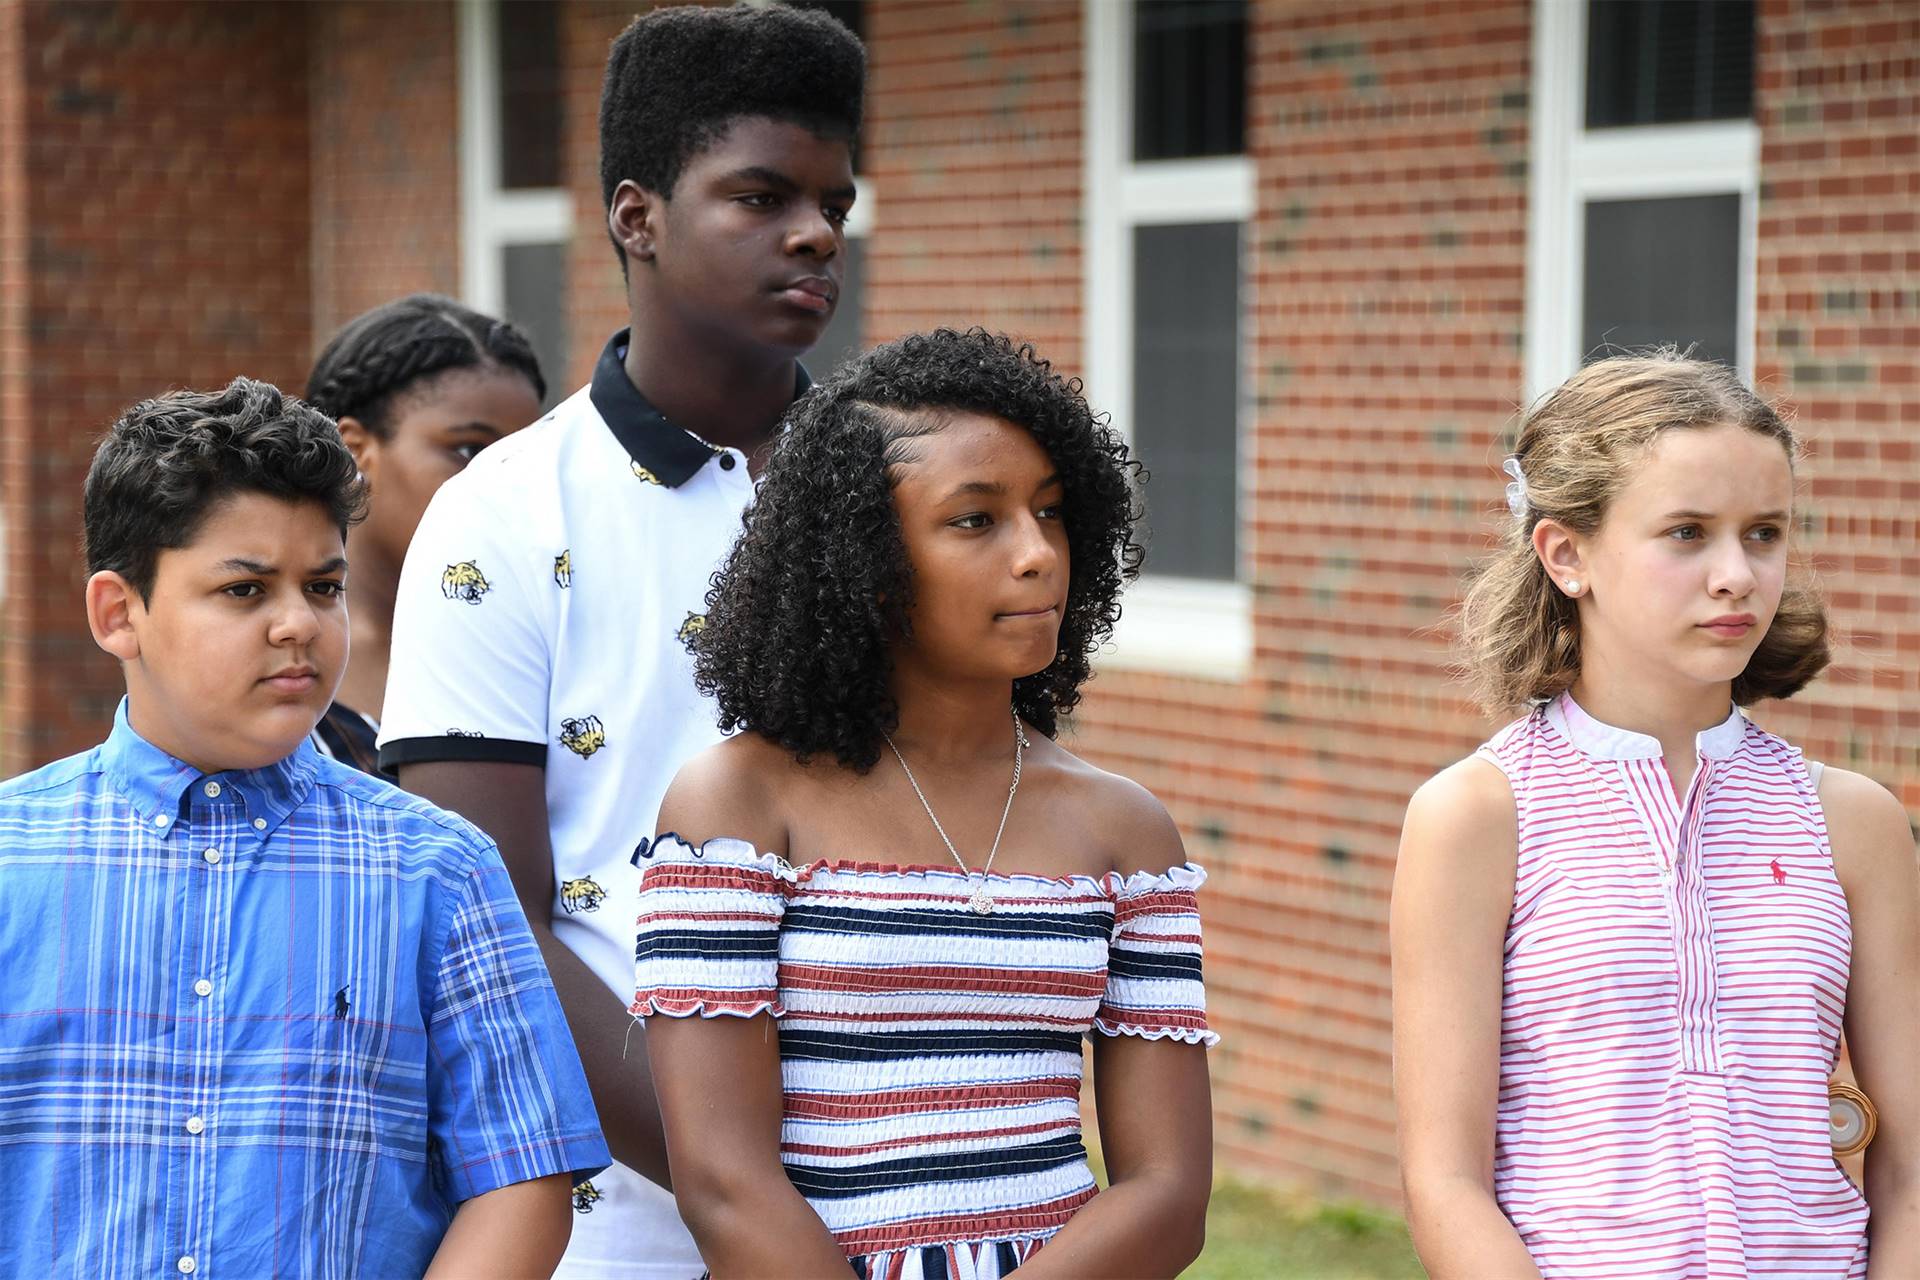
(930, 1056)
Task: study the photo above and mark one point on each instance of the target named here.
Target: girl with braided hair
(877, 923)
(418, 386)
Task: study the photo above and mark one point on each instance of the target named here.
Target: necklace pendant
(981, 901)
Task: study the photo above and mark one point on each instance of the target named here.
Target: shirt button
(259, 824)
(211, 855)
(726, 462)
(203, 988)
(196, 1125)
(186, 1264)
(161, 820)
(211, 790)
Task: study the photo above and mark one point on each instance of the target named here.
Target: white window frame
(1181, 625)
(491, 217)
(1570, 165)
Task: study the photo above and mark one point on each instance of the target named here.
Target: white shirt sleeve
(473, 629)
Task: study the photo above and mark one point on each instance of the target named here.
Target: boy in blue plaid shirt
(260, 1014)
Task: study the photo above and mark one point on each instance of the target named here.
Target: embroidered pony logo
(585, 1196)
(693, 626)
(563, 569)
(1779, 872)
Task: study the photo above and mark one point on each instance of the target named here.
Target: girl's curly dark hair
(802, 616)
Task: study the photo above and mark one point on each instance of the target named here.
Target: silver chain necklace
(981, 901)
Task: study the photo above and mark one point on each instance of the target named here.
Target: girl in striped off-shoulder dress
(877, 923)
(1629, 931)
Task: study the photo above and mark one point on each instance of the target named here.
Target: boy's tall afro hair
(676, 78)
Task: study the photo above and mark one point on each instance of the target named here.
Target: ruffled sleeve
(1153, 963)
(708, 934)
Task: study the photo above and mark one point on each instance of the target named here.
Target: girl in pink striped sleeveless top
(1629, 931)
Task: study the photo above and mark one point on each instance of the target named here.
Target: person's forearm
(1142, 1227)
(759, 1227)
(1893, 1230)
(517, 1231)
(613, 1050)
(1461, 1234)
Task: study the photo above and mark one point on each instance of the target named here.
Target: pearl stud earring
(1573, 586)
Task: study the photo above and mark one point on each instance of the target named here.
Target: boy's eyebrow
(240, 564)
(775, 178)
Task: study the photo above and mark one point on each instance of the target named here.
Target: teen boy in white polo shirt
(539, 683)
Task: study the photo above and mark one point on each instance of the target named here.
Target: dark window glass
(529, 94)
(1186, 394)
(1189, 78)
(1668, 61)
(842, 340)
(1664, 270)
(536, 302)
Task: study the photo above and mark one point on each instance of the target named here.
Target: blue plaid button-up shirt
(278, 1022)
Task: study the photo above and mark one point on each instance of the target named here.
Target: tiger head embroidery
(583, 735)
(584, 894)
(563, 569)
(464, 581)
(585, 1196)
(645, 474)
(693, 626)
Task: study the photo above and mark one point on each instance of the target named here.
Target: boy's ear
(1561, 555)
(633, 219)
(362, 444)
(111, 605)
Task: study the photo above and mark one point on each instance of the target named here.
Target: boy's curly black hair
(803, 614)
(676, 78)
(169, 461)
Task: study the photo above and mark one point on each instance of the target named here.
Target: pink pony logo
(1779, 873)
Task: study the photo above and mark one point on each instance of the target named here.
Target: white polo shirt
(540, 620)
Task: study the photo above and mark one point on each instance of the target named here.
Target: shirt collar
(1608, 742)
(155, 782)
(668, 454)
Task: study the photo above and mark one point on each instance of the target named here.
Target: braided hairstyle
(384, 352)
(802, 617)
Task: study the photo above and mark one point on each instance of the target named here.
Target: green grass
(1255, 1234)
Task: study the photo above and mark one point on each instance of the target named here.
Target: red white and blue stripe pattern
(1676, 971)
(930, 1056)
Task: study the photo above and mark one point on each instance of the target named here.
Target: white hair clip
(1517, 491)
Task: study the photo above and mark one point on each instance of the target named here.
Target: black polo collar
(669, 454)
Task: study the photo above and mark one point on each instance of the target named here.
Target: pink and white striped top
(1676, 970)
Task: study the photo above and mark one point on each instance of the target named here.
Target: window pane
(536, 289)
(529, 94)
(842, 340)
(1663, 271)
(1186, 394)
(1189, 78)
(1668, 61)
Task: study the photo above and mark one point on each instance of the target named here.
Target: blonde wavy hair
(1578, 448)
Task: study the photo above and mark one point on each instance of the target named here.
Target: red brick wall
(386, 155)
(973, 149)
(1838, 102)
(161, 240)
